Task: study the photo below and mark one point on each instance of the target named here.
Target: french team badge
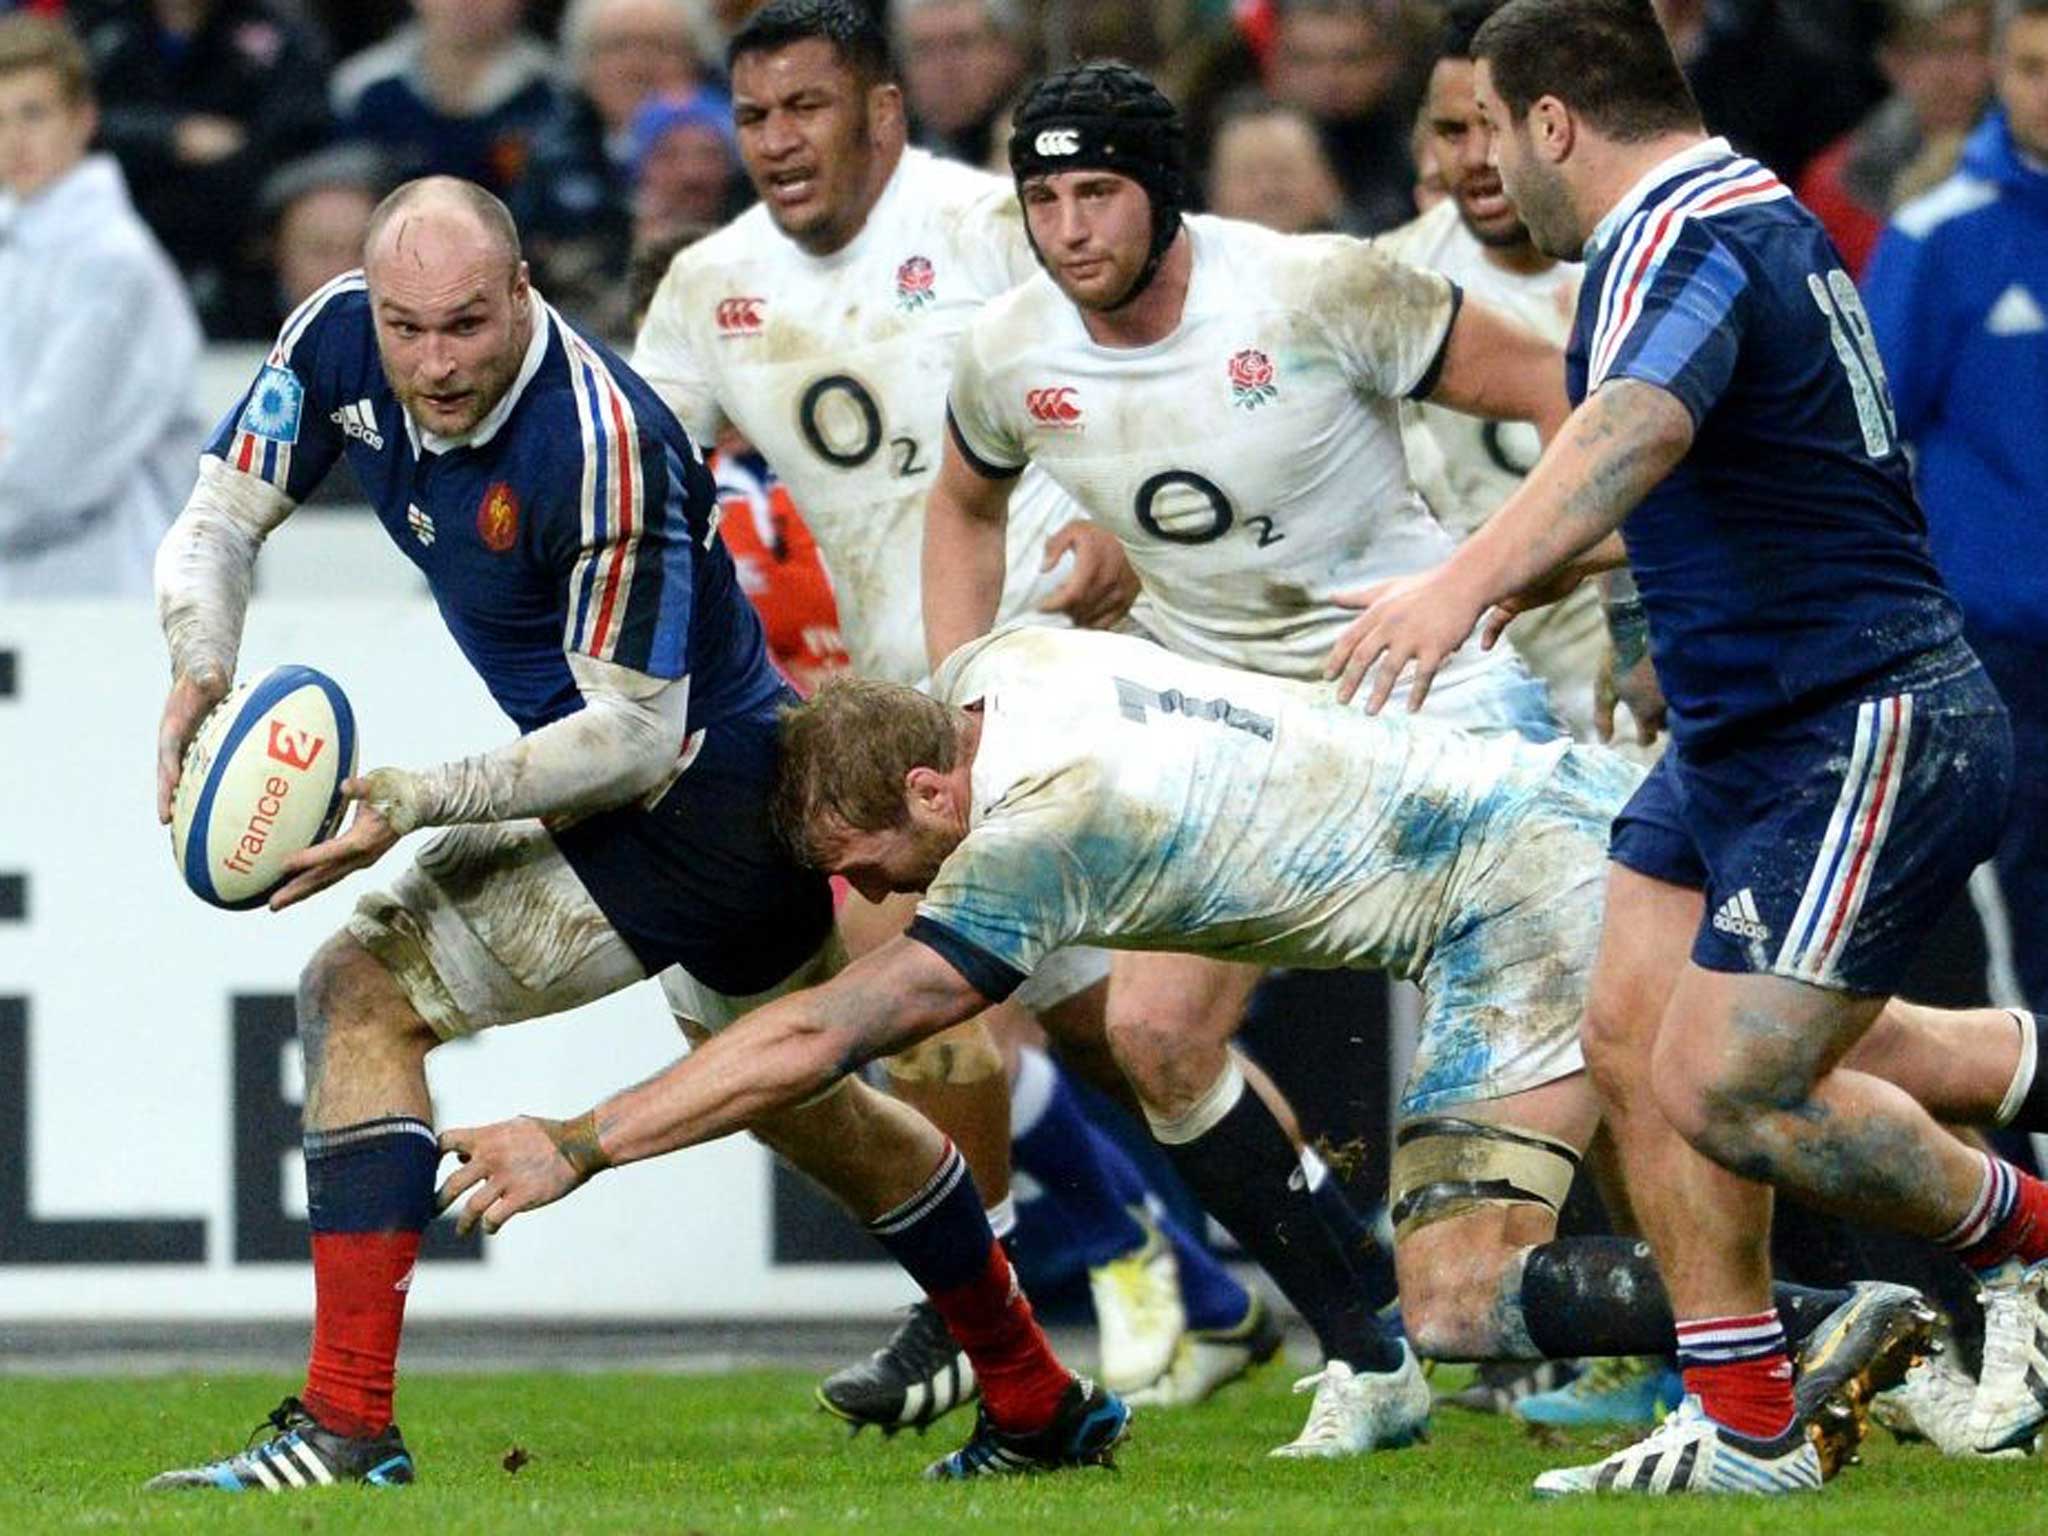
(497, 520)
(914, 281)
(275, 405)
(1251, 379)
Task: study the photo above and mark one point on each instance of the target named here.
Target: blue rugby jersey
(577, 517)
(1785, 558)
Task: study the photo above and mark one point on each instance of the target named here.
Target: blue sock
(1211, 1298)
(1095, 1184)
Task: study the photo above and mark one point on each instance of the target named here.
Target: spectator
(1958, 298)
(202, 99)
(962, 62)
(98, 343)
(316, 211)
(685, 164)
(1937, 56)
(575, 205)
(1345, 63)
(460, 90)
(1268, 166)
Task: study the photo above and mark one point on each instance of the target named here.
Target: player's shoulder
(1946, 207)
(1424, 239)
(1018, 321)
(745, 243)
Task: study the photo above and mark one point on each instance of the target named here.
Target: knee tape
(1444, 1166)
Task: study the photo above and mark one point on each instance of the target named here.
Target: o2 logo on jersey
(1251, 379)
(293, 747)
(914, 283)
(497, 520)
(1053, 406)
(740, 316)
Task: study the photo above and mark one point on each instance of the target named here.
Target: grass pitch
(746, 1452)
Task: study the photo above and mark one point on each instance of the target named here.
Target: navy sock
(1372, 1261)
(1245, 1171)
(1096, 1185)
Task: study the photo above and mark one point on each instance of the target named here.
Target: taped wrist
(577, 1141)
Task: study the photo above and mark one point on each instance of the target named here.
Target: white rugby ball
(261, 782)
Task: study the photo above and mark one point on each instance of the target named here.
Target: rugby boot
(1618, 1389)
(1498, 1385)
(2011, 1400)
(299, 1454)
(1933, 1404)
(1358, 1411)
(1206, 1360)
(1690, 1453)
(1864, 1347)
(1139, 1318)
(1083, 1433)
(916, 1378)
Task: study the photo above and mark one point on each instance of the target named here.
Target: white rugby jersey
(1127, 797)
(835, 368)
(1466, 467)
(1251, 462)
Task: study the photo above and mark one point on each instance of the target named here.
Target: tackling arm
(779, 1055)
(1496, 368)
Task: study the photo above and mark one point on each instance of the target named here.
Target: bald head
(449, 296)
(439, 217)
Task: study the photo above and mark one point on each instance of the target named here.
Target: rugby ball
(261, 781)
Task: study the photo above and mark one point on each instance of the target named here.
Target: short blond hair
(42, 42)
(846, 752)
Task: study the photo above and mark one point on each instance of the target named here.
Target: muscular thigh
(491, 926)
(1203, 997)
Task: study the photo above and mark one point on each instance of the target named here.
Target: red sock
(2020, 1232)
(360, 1280)
(1751, 1397)
(1022, 1380)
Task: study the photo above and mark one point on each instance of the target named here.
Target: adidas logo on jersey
(360, 422)
(1738, 915)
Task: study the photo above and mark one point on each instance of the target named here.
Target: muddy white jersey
(1127, 797)
(1465, 468)
(835, 368)
(1251, 462)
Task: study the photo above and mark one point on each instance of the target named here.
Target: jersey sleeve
(1675, 321)
(664, 357)
(986, 439)
(1007, 897)
(642, 499)
(1388, 322)
(280, 429)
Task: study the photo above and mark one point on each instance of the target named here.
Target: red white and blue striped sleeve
(629, 595)
(277, 431)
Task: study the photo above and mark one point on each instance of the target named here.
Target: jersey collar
(1668, 169)
(424, 441)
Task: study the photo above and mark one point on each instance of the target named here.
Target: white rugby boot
(1359, 1411)
(1138, 1313)
(1690, 1453)
(1933, 1404)
(2011, 1399)
(1206, 1360)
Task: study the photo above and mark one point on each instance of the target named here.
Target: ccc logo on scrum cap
(1059, 141)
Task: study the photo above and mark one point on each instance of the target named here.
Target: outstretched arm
(779, 1055)
(1613, 449)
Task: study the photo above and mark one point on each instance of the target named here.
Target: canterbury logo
(1059, 141)
(1738, 915)
(739, 316)
(1053, 407)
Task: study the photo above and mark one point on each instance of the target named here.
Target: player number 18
(1849, 328)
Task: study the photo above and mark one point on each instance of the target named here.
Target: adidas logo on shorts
(1738, 915)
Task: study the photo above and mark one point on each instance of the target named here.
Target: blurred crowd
(255, 135)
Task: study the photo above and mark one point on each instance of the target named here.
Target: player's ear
(885, 106)
(925, 788)
(1552, 129)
